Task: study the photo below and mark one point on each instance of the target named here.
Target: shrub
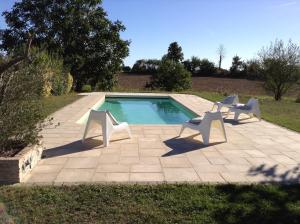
(21, 113)
(298, 98)
(51, 67)
(238, 67)
(207, 67)
(69, 83)
(126, 69)
(171, 76)
(86, 88)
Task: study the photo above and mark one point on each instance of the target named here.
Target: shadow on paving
(240, 121)
(73, 147)
(274, 174)
(183, 145)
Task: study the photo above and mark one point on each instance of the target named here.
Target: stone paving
(255, 151)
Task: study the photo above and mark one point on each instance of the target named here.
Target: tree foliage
(197, 66)
(171, 76)
(253, 69)
(237, 66)
(146, 66)
(192, 65)
(174, 53)
(79, 31)
(280, 66)
(207, 67)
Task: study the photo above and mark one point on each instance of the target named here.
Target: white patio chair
(204, 125)
(250, 108)
(227, 102)
(108, 123)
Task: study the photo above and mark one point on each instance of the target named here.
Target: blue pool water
(147, 110)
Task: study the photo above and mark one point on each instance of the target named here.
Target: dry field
(211, 84)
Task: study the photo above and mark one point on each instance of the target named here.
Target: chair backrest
(231, 100)
(102, 118)
(211, 116)
(252, 103)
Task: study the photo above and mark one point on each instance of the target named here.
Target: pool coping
(130, 95)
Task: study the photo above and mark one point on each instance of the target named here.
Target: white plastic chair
(204, 125)
(250, 108)
(227, 102)
(108, 123)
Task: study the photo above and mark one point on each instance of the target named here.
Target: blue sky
(242, 26)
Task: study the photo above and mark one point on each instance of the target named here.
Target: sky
(200, 26)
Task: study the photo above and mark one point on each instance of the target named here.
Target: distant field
(200, 84)
(242, 86)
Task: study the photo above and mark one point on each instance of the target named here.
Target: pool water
(136, 110)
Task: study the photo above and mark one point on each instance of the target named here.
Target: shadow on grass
(183, 145)
(275, 174)
(258, 204)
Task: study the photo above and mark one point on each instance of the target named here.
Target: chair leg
(87, 126)
(219, 108)
(236, 116)
(182, 129)
(213, 107)
(205, 138)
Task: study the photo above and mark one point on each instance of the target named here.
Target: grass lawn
(54, 103)
(153, 204)
(285, 113)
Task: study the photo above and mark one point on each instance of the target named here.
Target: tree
(171, 76)
(146, 66)
(238, 66)
(79, 31)
(221, 54)
(253, 69)
(207, 67)
(175, 52)
(280, 66)
(192, 65)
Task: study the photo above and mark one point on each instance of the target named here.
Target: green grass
(54, 103)
(285, 113)
(153, 204)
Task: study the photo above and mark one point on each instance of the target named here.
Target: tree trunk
(220, 62)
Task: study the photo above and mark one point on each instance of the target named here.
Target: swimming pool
(137, 110)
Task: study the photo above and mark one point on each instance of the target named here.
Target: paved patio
(255, 151)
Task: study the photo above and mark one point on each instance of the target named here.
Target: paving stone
(146, 177)
(211, 177)
(233, 177)
(75, 175)
(145, 168)
(180, 174)
(175, 162)
(84, 163)
(118, 177)
(113, 168)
